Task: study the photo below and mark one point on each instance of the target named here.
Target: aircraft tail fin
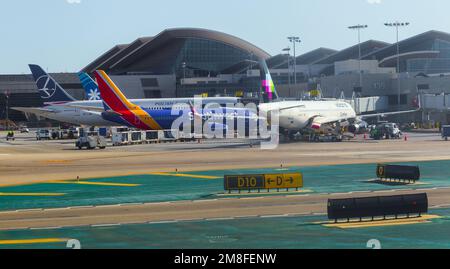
(90, 87)
(112, 96)
(49, 89)
(267, 85)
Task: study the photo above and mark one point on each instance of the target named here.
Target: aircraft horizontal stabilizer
(87, 108)
(33, 110)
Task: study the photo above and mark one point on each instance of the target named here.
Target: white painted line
(274, 216)
(104, 206)
(341, 193)
(187, 220)
(298, 214)
(132, 204)
(133, 223)
(204, 201)
(105, 225)
(30, 210)
(47, 228)
(252, 198)
(163, 222)
(441, 206)
(381, 191)
(81, 207)
(318, 214)
(247, 217)
(217, 219)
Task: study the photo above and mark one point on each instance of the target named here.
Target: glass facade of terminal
(207, 57)
(438, 65)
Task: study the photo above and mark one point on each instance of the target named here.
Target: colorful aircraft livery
(269, 88)
(90, 87)
(130, 112)
(266, 81)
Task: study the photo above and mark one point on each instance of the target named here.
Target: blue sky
(65, 35)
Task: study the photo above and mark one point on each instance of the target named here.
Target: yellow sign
(284, 181)
(267, 181)
(239, 94)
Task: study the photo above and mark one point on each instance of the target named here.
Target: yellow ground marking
(263, 192)
(31, 194)
(33, 241)
(93, 183)
(185, 175)
(382, 223)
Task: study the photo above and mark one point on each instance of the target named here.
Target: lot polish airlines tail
(90, 87)
(51, 92)
(117, 103)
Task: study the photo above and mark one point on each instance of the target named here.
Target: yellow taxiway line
(32, 241)
(185, 175)
(93, 183)
(382, 223)
(31, 194)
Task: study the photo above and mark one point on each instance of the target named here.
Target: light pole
(294, 40)
(359, 27)
(289, 65)
(7, 109)
(397, 25)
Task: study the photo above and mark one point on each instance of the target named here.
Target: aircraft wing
(386, 114)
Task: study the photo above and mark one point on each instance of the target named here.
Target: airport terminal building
(184, 62)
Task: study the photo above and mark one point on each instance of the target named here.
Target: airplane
(118, 108)
(300, 116)
(60, 106)
(55, 99)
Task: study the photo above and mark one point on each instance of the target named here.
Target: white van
(43, 134)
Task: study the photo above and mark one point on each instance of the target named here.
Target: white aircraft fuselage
(298, 115)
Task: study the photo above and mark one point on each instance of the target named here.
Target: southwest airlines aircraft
(296, 116)
(119, 109)
(60, 106)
